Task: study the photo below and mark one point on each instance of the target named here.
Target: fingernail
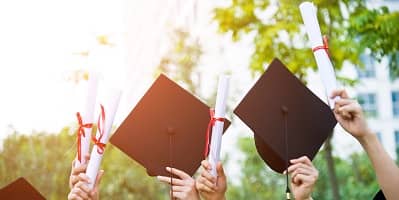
(168, 168)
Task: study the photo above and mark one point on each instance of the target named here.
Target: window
(395, 103)
(368, 102)
(368, 71)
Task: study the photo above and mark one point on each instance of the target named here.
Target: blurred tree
(276, 30)
(257, 181)
(45, 160)
(181, 60)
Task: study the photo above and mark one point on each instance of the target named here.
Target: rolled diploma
(110, 108)
(326, 70)
(217, 129)
(88, 116)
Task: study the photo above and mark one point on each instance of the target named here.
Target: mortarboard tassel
(284, 110)
(170, 133)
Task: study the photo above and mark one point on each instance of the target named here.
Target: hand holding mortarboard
(287, 119)
(183, 187)
(167, 128)
(303, 177)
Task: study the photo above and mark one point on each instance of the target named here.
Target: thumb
(220, 170)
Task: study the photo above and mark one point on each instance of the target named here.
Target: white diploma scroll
(88, 116)
(110, 107)
(217, 129)
(326, 70)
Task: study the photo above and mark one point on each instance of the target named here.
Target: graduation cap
(379, 196)
(287, 119)
(166, 128)
(20, 189)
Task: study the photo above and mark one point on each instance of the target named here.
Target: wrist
(367, 138)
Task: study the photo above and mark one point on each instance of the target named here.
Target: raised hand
(183, 188)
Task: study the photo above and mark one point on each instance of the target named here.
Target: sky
(39, 41)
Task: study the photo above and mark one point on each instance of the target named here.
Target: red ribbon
(80, 133)
(323, 47)
(100, 126)
(209, 130)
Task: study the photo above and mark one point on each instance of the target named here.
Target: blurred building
(378, 95)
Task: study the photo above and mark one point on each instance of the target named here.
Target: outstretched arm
(349, 114)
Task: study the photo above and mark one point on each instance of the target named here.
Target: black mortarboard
(287, 119)
(166, 128)
(20, 189)
(379, 196)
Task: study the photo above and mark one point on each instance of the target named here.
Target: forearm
(386, 170)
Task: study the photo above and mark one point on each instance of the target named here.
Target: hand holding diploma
(320, 49)
(218, 121)
(209, 186)
(108, 111)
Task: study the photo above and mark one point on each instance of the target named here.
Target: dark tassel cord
(287, 189)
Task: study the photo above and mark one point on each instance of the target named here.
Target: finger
(79, 169)
(208, 176)
(73, 196)
(301, 178)
(294, 167)
(80, 193)
(177, 188)
(83, 177)
(73, 179)
(203, 188)
(304, 171)
(342, 102)
(339, 92)
(220, 170)
(167, 180)
(303, 159)
(202, 180)
(350, 108)
(179, 173)
(83, 186)
(206, 165)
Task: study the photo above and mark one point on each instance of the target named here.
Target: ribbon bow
(100, 126)
(209, 130)
(80, 133)
(323, 47)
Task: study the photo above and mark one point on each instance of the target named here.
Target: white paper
(326, 70)
(217, 129)
(88, 116)
(110, 107)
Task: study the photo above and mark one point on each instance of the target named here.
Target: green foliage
(257, 181)
(377, 30)
(181, 60)
(276, 31)
(355, 175)
(45, 160)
